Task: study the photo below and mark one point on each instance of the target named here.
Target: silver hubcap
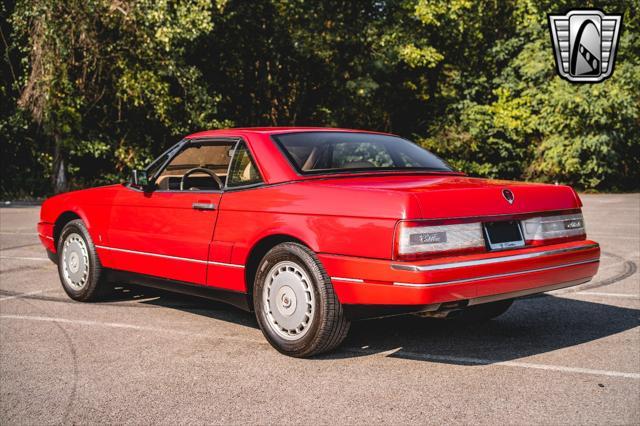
(75, 261)
(288, 300)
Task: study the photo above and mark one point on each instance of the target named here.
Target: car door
(243, 178)
(166, 232)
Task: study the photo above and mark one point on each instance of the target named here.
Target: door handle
(203, 206)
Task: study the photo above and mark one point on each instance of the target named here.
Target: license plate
(503, 235)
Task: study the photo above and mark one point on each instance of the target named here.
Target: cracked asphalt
(143, 356)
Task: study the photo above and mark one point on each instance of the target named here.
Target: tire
(484, 312)
(79, 268)
(295, 305)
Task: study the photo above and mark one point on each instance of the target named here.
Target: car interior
(205, 166)
(332, 155)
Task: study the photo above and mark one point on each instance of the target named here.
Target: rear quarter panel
(346, 221)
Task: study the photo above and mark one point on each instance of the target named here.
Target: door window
(211, 156)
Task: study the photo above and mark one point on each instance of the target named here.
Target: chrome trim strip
(230, 265)
(452, 265)
(351, 280)
(507, 274)
(185, 259)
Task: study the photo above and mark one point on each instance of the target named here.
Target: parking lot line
(18, 233)
(488, 362)
(23, 258)
(595, 293)
(18, 296)
(122, 326)
(397, 352)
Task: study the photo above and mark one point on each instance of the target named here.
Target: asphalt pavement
(143, 356)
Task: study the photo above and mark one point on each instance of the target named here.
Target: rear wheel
(296, 307)
(484, 312)
(78, 264)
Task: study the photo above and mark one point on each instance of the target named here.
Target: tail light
(422, 240)
(415, 240)
(546, 229)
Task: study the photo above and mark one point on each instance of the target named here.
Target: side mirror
(139, 179)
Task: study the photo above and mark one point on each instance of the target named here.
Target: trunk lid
(452, 196)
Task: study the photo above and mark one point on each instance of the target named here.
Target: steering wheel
(201, 170)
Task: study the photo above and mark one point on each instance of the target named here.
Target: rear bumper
(475, 279)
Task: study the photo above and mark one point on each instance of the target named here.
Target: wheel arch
(257, 252)
(64, 218)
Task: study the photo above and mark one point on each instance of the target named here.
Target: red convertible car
(311, 228)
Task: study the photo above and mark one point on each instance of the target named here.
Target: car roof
(272, 131)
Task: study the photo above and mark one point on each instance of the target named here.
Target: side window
(242, 171)
(212, 156)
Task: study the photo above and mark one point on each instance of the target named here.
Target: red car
(313, 227)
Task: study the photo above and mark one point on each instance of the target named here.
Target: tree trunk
(59, 174)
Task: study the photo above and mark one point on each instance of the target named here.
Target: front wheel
(78, 264)
(296, 307)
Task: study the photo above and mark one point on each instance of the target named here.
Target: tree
(517, 119)
(103, 73)
(92, 88)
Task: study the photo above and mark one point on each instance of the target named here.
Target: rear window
(334, 152)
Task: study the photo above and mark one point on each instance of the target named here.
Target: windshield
(334, 152)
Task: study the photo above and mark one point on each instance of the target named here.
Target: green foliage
(523, 121)
(106, 84)
(91, 88)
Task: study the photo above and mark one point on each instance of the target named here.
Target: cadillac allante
(312, 228)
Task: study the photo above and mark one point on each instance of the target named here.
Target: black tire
(484, 312)
(93, 285)
(327, 326)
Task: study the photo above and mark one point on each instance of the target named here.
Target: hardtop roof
(273, 130)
